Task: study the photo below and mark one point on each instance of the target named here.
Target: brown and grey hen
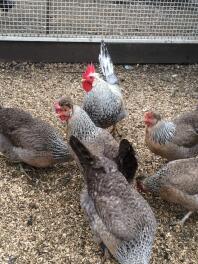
(24, 138)
(176, 139)
(120, 218)
(176, 182)
(97, 139)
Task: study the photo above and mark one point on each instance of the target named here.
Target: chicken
(121, 220)
(176, 182)
(97, 139)
(5, 5)
(30, 140)
(103, 99)
(176, 139)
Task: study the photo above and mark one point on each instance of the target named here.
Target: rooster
(176, 139)
(121, 220)
(103, 99)
(176, 182)
(99, 140)
(30, 140)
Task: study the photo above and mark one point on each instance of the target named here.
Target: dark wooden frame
(88, 52)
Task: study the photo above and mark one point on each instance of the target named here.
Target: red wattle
(63, 117)
(87, 86)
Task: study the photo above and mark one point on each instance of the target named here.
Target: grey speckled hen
(176, 182)
(120, 218)
(176, 139)
(97, 139)
(30, 140)
(103, 99)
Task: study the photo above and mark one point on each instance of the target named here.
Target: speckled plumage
(104, 103)
(31, 140)
(182, 174)
(119, 216)
(81, 126)
(177, 139)
(176, 182)
(101, 142)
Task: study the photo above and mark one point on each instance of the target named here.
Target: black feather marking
(126, 160)
(164, 133)
(83, 154)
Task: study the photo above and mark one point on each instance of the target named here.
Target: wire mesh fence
(92, 20)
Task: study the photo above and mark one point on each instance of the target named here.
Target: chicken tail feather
(106, 64)
(126, 160)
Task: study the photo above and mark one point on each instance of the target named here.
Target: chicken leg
(183, 220)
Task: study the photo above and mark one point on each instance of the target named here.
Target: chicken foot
(115, 132)
(24, 171)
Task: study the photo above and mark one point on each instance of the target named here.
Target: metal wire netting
(92, 20)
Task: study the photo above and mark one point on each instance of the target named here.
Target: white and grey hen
(97, 139)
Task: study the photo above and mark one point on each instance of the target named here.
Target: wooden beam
(88, 52)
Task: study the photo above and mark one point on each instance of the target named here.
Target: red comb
(148, 115)
(90, 69)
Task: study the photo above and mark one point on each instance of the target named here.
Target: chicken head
(63, 108)
(88, 77)
(151, 119)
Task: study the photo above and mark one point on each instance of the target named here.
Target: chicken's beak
(139, 186)
(57, 107)
(83, 80)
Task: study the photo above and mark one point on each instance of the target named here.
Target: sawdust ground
(40, 216)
